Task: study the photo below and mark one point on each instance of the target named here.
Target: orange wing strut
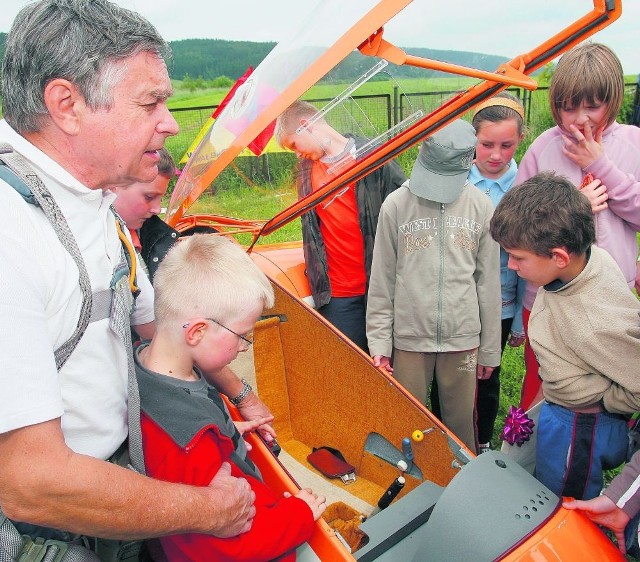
(376, 46)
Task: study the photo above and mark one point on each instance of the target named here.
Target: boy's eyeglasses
(247, 338)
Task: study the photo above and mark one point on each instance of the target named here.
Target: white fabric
(629, 494)
(40, 303)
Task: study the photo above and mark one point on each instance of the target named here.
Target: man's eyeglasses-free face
(247, 338)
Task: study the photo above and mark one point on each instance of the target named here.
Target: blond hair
(590, 72)
(209, 276)
(289, 120)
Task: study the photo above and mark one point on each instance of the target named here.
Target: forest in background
(212, 59)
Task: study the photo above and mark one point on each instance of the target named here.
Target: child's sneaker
(484, 447)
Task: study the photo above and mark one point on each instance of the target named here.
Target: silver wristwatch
(246, 389)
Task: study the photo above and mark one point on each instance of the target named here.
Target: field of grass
(185, 98)
(182, 98)
(212, 96)
(377, 87)
(255, 202)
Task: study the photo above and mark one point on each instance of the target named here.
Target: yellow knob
(417, 436)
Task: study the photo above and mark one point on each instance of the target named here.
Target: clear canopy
(322, 52)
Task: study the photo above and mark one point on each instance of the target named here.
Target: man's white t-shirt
(40, 301)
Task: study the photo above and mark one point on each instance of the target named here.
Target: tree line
(212, 58)
(201, 61)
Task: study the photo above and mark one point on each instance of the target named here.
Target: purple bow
(518, 427)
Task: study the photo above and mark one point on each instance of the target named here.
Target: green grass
(253, 201)
(182, 98)
(511, 376)
(200, 98)
(376, 87)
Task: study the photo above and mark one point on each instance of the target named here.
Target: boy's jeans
(573, 449)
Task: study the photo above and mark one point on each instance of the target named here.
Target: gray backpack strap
(124, 294)
(19, 174)
(28, 184)
(11, 541)
(17, 184)
(16, 171)
(42, 197)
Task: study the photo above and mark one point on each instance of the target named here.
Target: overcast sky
(489, 29)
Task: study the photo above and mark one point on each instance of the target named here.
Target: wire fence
(369, 115)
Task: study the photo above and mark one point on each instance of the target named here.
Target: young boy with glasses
(209, 295)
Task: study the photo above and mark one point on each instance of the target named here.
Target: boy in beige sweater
(581, 330)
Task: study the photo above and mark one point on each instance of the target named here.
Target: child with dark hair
(581, 329)
(139, 205)
(141, 200)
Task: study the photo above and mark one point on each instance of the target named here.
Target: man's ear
(195, 331)
(561, 256)
(63, 101)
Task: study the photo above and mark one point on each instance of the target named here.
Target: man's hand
(383, 362)
(252, 409)
(235, 499)
(603, 511)
(484, 372)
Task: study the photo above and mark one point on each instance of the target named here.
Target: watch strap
(246, 389)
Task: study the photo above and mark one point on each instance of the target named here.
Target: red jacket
(280, 525)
